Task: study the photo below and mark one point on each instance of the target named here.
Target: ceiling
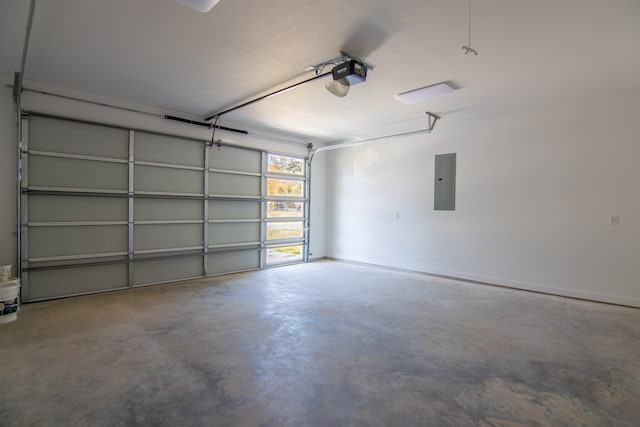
(162, 53)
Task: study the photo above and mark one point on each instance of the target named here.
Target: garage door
(106, 208)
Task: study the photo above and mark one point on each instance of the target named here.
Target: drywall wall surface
(318, 207)
(8, 175)
(535, 192)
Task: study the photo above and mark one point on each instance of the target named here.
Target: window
(284, 254)
(284, 230)
(284, 187)
(284, 164)
(284, 211)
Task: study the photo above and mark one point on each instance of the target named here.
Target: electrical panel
(445, 182)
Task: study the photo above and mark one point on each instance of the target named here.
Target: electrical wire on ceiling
(467, 48)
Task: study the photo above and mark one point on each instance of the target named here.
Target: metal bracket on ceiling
(344, 57)
(433, 118)
(319, 68)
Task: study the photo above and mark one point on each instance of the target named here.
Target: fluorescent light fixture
(201, 5)
(428, 92)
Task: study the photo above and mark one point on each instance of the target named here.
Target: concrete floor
(321, 344)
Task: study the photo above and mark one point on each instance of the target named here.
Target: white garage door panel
(235, 159)
(230, 209)
(44, 208)
(236, 185)
(225, 234)
(155, 226)
(167, 270)
(167, 149)
(65, 241)
(167, 236)
(167, 210)
(231, 262)
(73, 173)
(73, 281)
(63, 136)
(164, 180)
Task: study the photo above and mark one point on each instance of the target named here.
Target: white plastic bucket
(9, 301)
(5, 272)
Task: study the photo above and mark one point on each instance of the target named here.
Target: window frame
(301, 242)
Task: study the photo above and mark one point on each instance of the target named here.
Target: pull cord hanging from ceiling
(467, 48)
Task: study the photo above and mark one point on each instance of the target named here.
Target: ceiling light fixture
(427, 92)
(201, 5)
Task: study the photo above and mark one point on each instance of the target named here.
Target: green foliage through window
(284, 187)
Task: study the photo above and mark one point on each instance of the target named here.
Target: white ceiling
(161, 53)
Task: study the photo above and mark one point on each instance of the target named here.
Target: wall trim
(521, 286)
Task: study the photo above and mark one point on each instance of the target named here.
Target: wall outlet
(614, 220)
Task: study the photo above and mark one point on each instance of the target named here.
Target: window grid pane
(284, 230)
(284, 254)
(285, 187)
(285, 209)
(285, 165)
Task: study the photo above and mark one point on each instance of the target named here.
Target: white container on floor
(5, 272)
(9, 300)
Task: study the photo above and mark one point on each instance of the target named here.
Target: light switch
(614, 220)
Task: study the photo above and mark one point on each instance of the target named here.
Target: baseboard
(523, 286)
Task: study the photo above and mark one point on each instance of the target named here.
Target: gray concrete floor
(321, 344)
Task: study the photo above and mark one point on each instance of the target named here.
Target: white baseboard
(531, 287)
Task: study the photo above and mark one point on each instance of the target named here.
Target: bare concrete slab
(321, 344)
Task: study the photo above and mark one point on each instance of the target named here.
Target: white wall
(317, 238)
(535, 189)
(8, 175)
(101, 114)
